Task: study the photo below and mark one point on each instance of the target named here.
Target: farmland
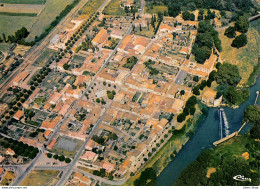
(49, 13)
(35, 15)
(21, 8)
(8, 27)
(91, 7)
(114, 8)
(155, 8)
(40, 2)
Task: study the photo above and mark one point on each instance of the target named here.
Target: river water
(207, 133)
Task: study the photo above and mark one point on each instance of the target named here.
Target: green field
(246, 57)
(114, 8)
(8, 27)
(155, 8)
(18, 14)
(40, 2)
(92, 6)
(49, 13)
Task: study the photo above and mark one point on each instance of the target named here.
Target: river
(207, 133)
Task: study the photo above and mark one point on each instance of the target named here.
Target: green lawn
(10, 24)
(40, 2)
(18, 14)
(92, 6)
(49, 13)
(246, 57)
(155, 9)
(114, 8)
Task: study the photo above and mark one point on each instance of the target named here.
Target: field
(8, 27)
(35, 17)
(21, 8)
(7, 179)
(48, 14)
(92, 6)
(114, 8)
(40, 2)
(155, 9)
(41, 178)
(246, 57)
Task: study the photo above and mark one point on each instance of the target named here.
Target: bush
(49, 155)
(230, 32)
(67, 160)
(239, 41)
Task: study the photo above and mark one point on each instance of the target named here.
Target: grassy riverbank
(227, 161)
(178, 139)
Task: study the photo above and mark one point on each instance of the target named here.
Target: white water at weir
(223, 120)
(220, 125)
(225, 123)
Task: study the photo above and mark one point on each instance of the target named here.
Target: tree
(55, 156)
(66, 66)
(201, 53)
(61, 158)
(230, 32)
(242, 24)
(147, 178)
(239, 41)
(67, 160)
(188, 16)
(49, 155)
(228, 74)
(252, 114)
(181, 117)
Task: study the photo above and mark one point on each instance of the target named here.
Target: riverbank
(177, 140)
(233, 157)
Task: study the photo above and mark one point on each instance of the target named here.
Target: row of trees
(74, 38)
(205, 41)
(19, 147)
(18, 37)
(60, 158)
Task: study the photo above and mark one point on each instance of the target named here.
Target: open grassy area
(18, 14)
(41, 178)
(155, 9)
(8, 27)
(164, 156)
(48, 14)
(21, 8)
(246, 57)
(41, 2)
(7, 179)
(91, 7)
(114, 8)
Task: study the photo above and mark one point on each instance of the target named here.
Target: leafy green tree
(67, 160)
(230, 32)
(242, 24)
(239, 41)
(49, 155)
(147, 178)
(228, 74)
